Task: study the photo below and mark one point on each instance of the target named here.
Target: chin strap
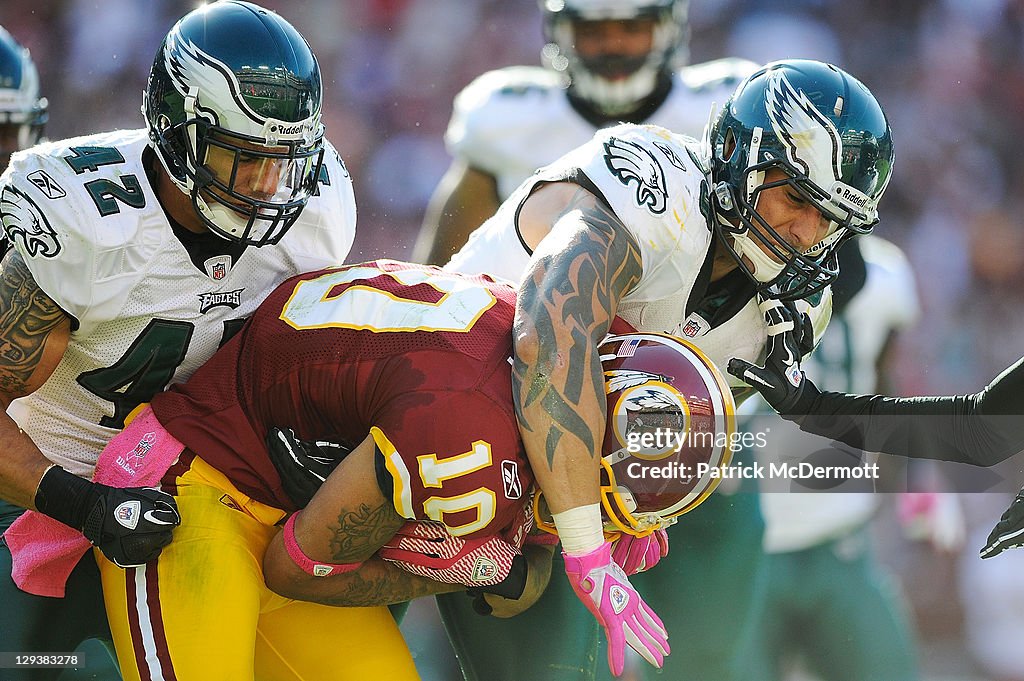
(764, 267)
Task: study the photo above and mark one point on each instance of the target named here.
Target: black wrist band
(64, 497)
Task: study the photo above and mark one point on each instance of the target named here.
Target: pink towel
(45, 551)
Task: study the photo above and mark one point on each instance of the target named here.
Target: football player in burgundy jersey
(383, 348)
(399, 376)
(407, 369)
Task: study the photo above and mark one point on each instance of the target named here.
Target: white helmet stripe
(192, 70)
(812, 141)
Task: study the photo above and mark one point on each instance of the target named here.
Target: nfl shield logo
(218, 266)
(127, 514)
(619, 598)
(695, 326)
(484, 569)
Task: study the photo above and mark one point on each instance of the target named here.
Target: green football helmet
(824, 129)
(22, 111)
(598, 80)
(237, 83)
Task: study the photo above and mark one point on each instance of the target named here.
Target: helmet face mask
(828, 137)
(614, 84)
(23, 113)
(261, 189)
(780, 269)
(237, 125)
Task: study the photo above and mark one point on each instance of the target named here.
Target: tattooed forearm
(27, 316)
(380, 583)
(567, 303)
(361, 532)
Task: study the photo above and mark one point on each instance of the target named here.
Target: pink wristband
(308, 565)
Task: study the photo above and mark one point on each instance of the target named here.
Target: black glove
(130, 526)
(303, 466)
(1009, 531)
(781, 381)
(511, 587)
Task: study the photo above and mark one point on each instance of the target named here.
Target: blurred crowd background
(949, 73)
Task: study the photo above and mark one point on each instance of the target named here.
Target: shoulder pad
(496, 101)
(882, 252)
(507, 85)
(326, 227)
(65, 204)
(717, 74)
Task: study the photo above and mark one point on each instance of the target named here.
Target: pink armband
(308, 565)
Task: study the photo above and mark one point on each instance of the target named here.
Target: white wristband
(580, 529)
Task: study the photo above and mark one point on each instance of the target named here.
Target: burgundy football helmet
(671, 425)
(671, 421)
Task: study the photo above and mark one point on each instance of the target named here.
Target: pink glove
(424, 547)
(935, 517)
(636, 554)
(627, 620)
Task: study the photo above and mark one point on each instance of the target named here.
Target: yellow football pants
(201, 611)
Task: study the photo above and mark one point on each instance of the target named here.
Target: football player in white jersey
(827, 599)
(705, 242)
(135, 254)
(608, 61)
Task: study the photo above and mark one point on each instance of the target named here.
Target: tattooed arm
(578, 274)
(347, 521)
(34, 334)
(376, 582)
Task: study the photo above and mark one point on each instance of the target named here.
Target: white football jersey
(845, 361)
(510, 122)
(653, 181)
(82, 214)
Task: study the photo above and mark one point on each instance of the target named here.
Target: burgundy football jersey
(416, 356)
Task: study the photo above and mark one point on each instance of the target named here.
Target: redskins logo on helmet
(671, 421)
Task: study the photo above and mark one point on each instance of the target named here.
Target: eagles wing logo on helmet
(813, 145)
(192, 70)
(812, 141)
(620, 379)
(23, 220)
(630, 162)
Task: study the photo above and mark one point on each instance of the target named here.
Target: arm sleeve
(982, 429)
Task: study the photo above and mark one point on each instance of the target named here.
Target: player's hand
(780, 380)
(538, 574)
(425, 548)
(303, 465)
(637, 554)
(627, 619)
(130, 526)
(1009, 531)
